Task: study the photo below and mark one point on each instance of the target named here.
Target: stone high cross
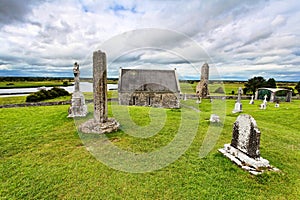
(101, 123)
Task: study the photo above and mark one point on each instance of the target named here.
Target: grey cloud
(15, 10)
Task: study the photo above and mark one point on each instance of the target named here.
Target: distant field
(25, 84)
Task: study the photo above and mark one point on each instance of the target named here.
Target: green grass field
(44, 157)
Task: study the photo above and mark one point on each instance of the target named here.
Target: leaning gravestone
(252, 100)
(244, 147)
(78, 107)
(101, 123)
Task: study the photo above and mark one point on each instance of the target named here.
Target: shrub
(47, 94)
(220, 90)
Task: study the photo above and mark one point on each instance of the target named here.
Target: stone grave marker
(214, 118)
(244, 147)
(238, 104)
(252, 100)
(78, 107)
(263, 106)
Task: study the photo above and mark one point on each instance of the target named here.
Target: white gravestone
(238, 104)
(263, 106)
(214, 118)
(252, 100)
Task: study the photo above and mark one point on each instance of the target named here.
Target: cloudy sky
(238, 39)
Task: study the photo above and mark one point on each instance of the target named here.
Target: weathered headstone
(101, 123)
(245, 145)
(252, 100)
(78, 107)
(238, 104)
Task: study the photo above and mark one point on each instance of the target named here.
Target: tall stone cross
(76, 76)
(100, 86)
(101, 123)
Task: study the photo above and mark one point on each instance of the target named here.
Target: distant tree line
(47, 94)
(259, 82)
(12, 79)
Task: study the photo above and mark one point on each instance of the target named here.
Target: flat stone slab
(91, 126)
(254, 165)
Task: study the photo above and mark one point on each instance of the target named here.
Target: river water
(84, 87)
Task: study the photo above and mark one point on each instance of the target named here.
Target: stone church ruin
(144, 87)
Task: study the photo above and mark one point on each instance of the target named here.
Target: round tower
(204, 72)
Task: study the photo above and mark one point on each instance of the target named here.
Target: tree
(254, 83)
(297, 87)
(271, 83)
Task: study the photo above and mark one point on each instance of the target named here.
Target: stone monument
(100, 123)
(238, 104)
(214, 118)
(252, 100)
(78, 107)
(202, 87)
(244, 147)
(263, 106)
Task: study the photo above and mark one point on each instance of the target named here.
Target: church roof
(148, 80)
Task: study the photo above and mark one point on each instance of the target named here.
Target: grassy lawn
(44, 157)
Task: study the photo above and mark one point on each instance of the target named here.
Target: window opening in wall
(134, 99)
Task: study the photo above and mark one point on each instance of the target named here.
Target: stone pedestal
(78, 107)
(101, 123)
(244, 147)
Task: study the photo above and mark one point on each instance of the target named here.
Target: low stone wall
(46, 103)
(35, 104)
